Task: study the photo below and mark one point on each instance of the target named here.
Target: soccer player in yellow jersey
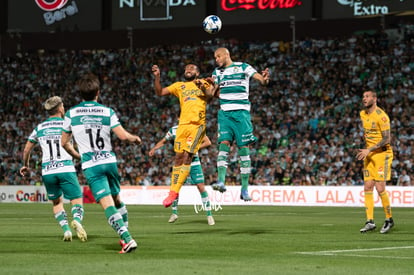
(193, 95)
(377, 158)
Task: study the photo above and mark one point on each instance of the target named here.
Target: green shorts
(62, 183)
(235, 126)
(196, 172)
(103, 180)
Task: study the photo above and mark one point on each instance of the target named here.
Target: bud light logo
(56, 10)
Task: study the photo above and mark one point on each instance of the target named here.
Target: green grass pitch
(244, 240)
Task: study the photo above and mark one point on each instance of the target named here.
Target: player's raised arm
(263, 78)
(159, 90)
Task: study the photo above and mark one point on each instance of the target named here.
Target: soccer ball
(212, 24)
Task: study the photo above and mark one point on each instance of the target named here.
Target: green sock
(124, 213)
(115, 220)
(245, 167)
(174, 206)
(206, 203)
(222, 163)
(77, 212)
(62, 219)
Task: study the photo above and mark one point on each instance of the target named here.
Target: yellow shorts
(377, 165)
(189, 138)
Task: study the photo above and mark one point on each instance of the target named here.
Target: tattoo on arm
(386, 139)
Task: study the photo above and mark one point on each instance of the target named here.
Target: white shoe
(173, 218)
(67, 236)
(369, 226)
(210, 220)
(80, 231)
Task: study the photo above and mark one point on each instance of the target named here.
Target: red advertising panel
(144, 14)
(263, 11)
(52, 15)
(334, 9)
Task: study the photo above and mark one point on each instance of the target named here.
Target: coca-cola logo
(230, 5)
(51, 5)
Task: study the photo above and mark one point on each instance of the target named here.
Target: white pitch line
(332, 252)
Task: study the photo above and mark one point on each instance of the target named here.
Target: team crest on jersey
(373, 125)
(236, 69)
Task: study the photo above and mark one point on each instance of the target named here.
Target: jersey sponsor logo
(50, 132)
(101, 156)
(91, 120)
(89, 110)
(231, 83)
(53, 165)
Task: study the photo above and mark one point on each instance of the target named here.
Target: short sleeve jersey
(48, 135)
(234, 85)
(90, 123)
(192, 102)
(373, 124)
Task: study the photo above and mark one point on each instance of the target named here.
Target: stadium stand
(307, 120)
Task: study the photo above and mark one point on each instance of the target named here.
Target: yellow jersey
(374, 124)
(192, 101)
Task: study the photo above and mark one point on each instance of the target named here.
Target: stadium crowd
(307, 119)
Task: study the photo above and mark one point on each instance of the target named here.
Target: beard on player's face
(189, 76)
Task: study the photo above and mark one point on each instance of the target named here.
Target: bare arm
(208, 91)
(123, 134)
(159, 90)
(386, 139)
(206, 142)
(26, 154)
(157, 146)
(67, 145)
(263, 78)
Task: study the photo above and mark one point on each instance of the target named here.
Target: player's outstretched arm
(123, 134)
(263, 78)
(157, 146)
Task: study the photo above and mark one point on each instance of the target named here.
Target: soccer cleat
(128, 247)
(369, 226)
(67, 236)
(388, 224)
(173, 218)
(219, 186)
(172, 195)
(80, 231)
(244, 195)
(210, 220)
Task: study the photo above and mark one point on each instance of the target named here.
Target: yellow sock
(174, 177)
(369, 205)
(386, 204)
(182, 176)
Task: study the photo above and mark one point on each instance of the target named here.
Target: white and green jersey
(91, 124)
(55, 159)
(234, 86)
(170, 136)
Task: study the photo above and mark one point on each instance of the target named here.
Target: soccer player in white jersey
(196, 176)
(58, 170)
(234, 120)
(91, 123)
